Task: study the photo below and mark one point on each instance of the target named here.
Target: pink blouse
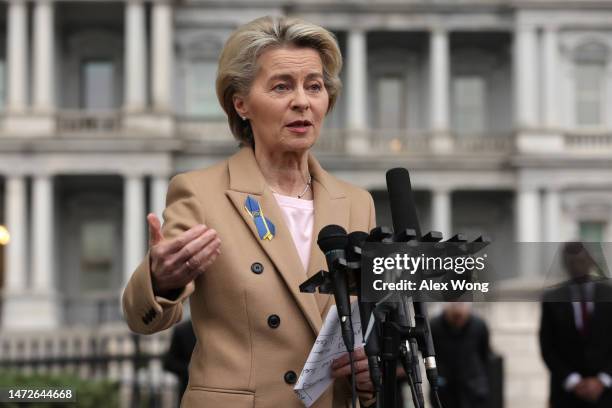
(299, 217)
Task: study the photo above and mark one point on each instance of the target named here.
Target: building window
(589, 93)
(469, 104)
(391, 105)
(200, 92)
(97, 241)
(592, 231)
(590, 61)
(98, 83)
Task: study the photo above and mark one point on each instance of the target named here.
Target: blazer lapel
(246, 179)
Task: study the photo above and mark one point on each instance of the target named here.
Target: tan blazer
(241, 359)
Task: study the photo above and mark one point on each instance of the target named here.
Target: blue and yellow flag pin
(265, 228)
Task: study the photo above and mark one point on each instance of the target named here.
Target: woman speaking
(239, 237)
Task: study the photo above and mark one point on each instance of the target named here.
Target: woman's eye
(281, 87)
(316, 87)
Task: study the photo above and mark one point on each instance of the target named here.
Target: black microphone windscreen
(332, 237)
(357, 238)
(403, 208)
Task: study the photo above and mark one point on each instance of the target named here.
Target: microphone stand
(369, 324)
(401, 337)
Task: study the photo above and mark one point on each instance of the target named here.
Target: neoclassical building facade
(501, 110)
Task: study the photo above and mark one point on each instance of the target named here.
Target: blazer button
(257, 268)
(290, 377)
(273, 321)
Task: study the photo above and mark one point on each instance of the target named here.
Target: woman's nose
(300, 100)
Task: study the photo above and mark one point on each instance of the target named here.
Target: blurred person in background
(240, 237)
(461, 341)
(176, 359)
(576, 334)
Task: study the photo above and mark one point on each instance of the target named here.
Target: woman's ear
(240, 105)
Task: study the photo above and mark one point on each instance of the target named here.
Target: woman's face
(287, 101)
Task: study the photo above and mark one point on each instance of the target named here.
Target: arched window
(590, 84)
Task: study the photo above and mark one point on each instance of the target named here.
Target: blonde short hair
(238, 61)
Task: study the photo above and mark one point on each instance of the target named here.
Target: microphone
(403, 210)
(333, 241)
(404, 216)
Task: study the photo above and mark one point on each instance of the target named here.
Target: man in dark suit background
(461, 341)
(576, 334)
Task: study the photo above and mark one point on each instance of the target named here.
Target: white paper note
(316, 374)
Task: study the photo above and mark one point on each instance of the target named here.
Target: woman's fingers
(155, 234)
(358, 354)
(172, 246)
(365, 387)
(340, 370)
(207, 255)
(169, 257)
(192, 248)
(203, 259)
(194, 266)
(363, 380)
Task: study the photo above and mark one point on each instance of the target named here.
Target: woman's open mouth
(299, 126)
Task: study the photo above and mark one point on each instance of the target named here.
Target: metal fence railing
(108, 352)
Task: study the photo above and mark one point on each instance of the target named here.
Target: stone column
(439, 77)
(528, 211)
(525, 76)
(551, 80)
(357, 71)
(163, 55)
(135, 57)
(441, 210)
(159, 188)
(16, 222)
(17, 56)
(44, 56)
(134, 219)
(552, 215)
(15, 260)
(44, 302)
(43, 279)
(528, 234)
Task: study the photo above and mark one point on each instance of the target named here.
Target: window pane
(201, 95)
(98, 84)
(592, 231)
(589, 87)
(96, 254)
(391, 110)
(469, 95)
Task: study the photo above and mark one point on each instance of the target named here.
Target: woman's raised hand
(178, 261)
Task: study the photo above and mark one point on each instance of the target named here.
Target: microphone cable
(353, 380)
(438, 403)
(412, 385)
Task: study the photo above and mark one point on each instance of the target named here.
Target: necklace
(308, 184)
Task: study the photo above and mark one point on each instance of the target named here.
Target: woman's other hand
(341, 367)
(178, 261)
